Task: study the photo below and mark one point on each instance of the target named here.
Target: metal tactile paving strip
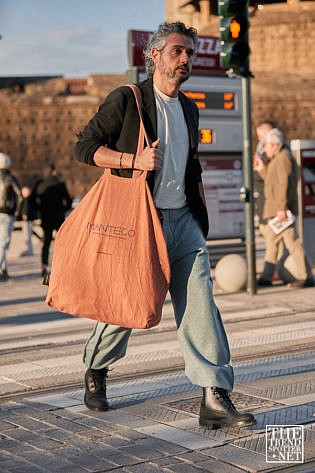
(143, 396)
(293, 415)
(182, 420)
(184, 414)
(244, 372)
(242, 401)
(128, 393)
(292, 389)
(274, 366)
(293, 386)
(260, 337)
(292, 359)
(246, 377)
(148, 357)
(262, 408)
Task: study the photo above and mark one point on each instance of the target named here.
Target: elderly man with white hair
(280, 191)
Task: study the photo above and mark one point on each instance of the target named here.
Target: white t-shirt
(169, 188)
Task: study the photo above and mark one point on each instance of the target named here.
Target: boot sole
(210, 425)
(214, 425)
(205, 420)
(96, 409)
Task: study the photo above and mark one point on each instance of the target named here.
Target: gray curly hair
(158, 41)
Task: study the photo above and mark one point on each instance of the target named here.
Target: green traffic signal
(233, 36)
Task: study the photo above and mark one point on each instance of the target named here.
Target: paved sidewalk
(152, 425)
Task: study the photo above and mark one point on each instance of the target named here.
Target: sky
(73, 38)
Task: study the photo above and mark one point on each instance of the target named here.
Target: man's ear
(154, 54)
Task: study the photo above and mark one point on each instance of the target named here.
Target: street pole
(234, 53)
(248, 187)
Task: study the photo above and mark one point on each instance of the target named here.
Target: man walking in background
(52, 200)
(280, 191)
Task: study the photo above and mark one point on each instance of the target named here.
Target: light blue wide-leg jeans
(200, 329)
(6, 229)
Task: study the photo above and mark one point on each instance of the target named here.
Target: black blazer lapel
(149, 108)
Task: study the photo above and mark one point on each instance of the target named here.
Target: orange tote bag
(110, 260)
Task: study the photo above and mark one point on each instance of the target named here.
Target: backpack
(9, 193)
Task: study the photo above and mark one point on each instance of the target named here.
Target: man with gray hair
(280, 190)
(110, 141)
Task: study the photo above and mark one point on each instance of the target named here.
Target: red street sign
(207, 58)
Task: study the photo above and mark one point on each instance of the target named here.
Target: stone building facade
(39, 125)
(39, 119)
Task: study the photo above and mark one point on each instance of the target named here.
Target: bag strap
(142, 132)
(138, 98)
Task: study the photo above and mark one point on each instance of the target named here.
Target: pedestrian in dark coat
(52, 200)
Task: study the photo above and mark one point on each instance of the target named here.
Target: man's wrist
(126, 161)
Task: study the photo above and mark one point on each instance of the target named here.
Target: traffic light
(234, 26)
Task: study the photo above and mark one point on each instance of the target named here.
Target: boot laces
(223, 396)
(97, 379)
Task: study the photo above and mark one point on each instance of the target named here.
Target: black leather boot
(265, 279)
(217, 410)
(95, 390)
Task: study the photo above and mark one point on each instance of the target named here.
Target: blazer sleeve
(104, 128)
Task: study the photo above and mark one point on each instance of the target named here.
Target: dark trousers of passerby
(48, 231)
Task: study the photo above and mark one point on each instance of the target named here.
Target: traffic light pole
(248, 185)
(234, 52)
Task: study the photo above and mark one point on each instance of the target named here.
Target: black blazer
(116, 125)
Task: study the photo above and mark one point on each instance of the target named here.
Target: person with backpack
(10, 200)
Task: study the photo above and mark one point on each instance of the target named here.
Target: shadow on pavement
(30, 318)
(23, 300)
